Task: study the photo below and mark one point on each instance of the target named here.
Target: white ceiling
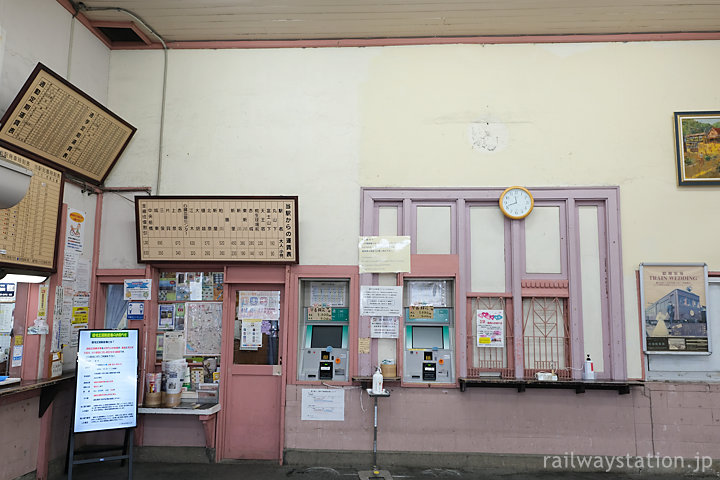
(232, 20)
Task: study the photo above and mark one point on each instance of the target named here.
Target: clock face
(516, 202)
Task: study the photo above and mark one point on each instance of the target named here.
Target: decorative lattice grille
(546, 336)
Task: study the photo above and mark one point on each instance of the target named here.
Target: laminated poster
(490, 328)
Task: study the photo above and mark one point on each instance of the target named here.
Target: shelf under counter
(580, 386)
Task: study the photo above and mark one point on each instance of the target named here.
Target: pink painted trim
(283, 370)
(415, 41)
(438, 266)
(85, 21)
(340, 272)
(574, 284)
(120, 273)
(516, 288)
(43, 456)
(95, 290)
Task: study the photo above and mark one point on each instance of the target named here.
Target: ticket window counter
(429, 311)
(323, 339)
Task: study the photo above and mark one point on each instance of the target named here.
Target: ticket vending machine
(323, 333)
(429, 312)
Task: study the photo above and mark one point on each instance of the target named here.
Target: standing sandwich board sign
(106, 388)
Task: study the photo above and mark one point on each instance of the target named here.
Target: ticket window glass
(429, 311)
(323, 333)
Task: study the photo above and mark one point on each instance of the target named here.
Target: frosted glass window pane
(387, 221)
(591, 282)
(487, 249)
(542, 241)
(433, 230)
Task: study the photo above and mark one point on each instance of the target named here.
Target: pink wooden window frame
(324, 272)
(607, 201)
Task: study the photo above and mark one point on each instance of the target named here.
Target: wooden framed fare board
(29, 230)
(56, 121)
(217, 229)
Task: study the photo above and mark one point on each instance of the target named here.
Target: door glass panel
(257, 327)
(115, 307)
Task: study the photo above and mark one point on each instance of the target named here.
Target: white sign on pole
(106, 390)
(378, 301)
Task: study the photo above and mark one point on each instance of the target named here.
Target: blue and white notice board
(107, 378)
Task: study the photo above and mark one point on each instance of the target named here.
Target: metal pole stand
(375, 472)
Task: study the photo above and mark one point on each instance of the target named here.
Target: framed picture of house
(697, 145)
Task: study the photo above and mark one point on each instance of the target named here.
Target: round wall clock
(516, 202)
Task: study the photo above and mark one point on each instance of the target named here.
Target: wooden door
(252, 405)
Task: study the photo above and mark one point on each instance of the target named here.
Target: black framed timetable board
(107, 379)
(217, 229)
(56, 121)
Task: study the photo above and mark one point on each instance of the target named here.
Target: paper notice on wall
(363, 345)
(65, 316)
(323, 404)
(43, 301)
(380, 301)
(74, 232)
(138, 289)
(387, 254)
(251, 333)
(17, 352)
(173, 346)
(70, 266)
(82, 278)
(384, 327)
(490, 328)
(6, 316)
(80, 315)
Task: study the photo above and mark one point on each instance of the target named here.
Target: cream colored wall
(321, 123)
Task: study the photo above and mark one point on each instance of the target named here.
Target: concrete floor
(272, 471)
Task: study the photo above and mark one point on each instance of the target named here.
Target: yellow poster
(80, 315)
(384, 254)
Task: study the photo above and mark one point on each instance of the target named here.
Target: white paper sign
(384, 327)
(138, 289)
(323, 404)
(490, 328)
(106, 391)
(17, 356)
(380, 301)
(385, 254)
(251, 333)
